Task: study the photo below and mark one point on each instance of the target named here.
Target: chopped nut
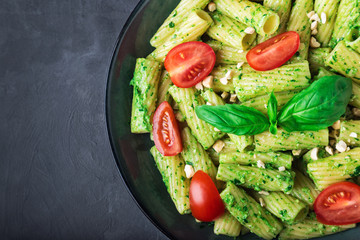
(224, 81)
(323, 18)
(314, 154)
(314, 43)
(314, 25)
(336, 125)
(189, 171)
(229, 74)
(260, 164)
(310, 14)
(315, 17)
(265, 105)
(348, 149)
(224, 95)
(341, 146)
(329, 150)
(212, 6)
(233, 97)
(262, 202)
(209, 103)
(296, 152)
(356, 112)
(239, 65)
(282, 168)
(216, 130)
(249, 30)
(218, 146)
(208, 81)
(264, 193)
(314, 32)
(353, 135)
(199, 86)
(240, 51)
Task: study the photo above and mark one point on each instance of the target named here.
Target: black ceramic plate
(131, 151)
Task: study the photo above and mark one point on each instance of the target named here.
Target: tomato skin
(205, 202)
(166, 131)
(274, 52)
(189, 63)
(338, 204)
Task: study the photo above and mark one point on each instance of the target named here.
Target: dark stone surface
(58, 177)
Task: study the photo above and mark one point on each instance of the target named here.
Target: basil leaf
(272, 113)
(318, 106)
(234, 119)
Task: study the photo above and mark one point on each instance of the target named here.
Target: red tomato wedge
(338, 204)
(274, 52)
(205, 201)
(166, 132)
(189, 63)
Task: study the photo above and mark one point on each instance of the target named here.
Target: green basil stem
(272, 113)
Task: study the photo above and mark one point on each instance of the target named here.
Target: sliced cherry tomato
(189, 63)
(205, 201)
(274, 52)
(166, 132)
(338, 204)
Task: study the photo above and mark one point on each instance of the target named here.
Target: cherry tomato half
(338, 204)
(205, 201)
(273, 52)
(189, 63)
(166, 132)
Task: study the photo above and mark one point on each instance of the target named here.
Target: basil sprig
(272, 113)
(318, 106)
(314, 108)
(235, 119)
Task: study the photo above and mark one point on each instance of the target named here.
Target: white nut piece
(208, 81)
(336, 125)
(239, 65)
(310, 14)
(224, 81)
(209, 103)
(314, 154)
(314, 32)
(189, 171)
(218, 146)
(329, 150)
(240, 51)
(341, 146)
(199, 86)
(314, 25)
(262, 202)
(224, 95)
(314, 43)
(260, 164)
(296, 152)
(229, 74)
(264, 193)
(323, 18)
(282, 168)
(249, 30)
(233, 97)
(212, 6)
(353, 135)
(216, 130)
(315, 17)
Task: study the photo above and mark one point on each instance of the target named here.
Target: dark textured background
(58, 177)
